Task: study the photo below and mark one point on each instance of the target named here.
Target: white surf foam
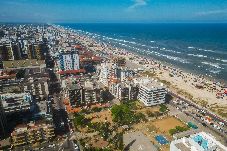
(168, 50)
(215, 71)
(197, 55)
(190, 47)
(224, 60)
(216, 65)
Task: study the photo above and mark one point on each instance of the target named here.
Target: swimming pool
(161, 139)
(201, 141)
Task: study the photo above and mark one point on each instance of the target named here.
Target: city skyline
(113, 11)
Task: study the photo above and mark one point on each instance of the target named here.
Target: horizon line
(208, 22)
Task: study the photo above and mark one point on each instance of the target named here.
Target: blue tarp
(161, 139)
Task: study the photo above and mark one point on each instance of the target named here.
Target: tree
(150, 114)
(96, 109)
(79, 119)
(172, 131)
(122, 114)
(163, 108)
(140, 116)
(104, 130)
(178, 129)
(181, 129)
(118, 141)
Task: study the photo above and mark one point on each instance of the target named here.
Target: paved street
(60, 116)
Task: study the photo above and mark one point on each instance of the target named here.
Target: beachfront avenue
(61, 89)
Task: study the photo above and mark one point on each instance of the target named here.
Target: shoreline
(182, 81)
(188, 71)
(165, 62)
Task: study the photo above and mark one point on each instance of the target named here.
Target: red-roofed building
(72, 71)
(79, 47)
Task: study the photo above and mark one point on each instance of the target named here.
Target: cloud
(212, 12)
(137, 3)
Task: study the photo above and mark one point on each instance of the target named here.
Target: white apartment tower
(150, 91)
(69, 60)
(104, 73)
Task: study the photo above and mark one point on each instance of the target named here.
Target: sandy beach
(198, 89)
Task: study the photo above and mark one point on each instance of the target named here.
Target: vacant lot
(164, 125)
(100, 116)
(156, 127)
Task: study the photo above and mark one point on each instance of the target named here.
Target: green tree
(96, 109)
(80, 120)
(140, 116)
(163, 108)
(172, 131)
(122, 114)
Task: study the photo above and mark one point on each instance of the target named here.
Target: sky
(113, 11)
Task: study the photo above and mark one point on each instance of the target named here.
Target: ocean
(199, 48)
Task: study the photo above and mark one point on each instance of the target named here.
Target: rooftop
(138, 141)
(148, 83)
(22, 63)
(199, 142)
(30, 126)
(72, 71)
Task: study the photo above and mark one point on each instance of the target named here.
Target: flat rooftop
(183, 147)
(200, 141)
(148, 82)
(137, 141)
(22, 63)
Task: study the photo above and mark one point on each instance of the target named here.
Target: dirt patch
(164, 125)
(100, 116)
(99, 143)
(157, 127)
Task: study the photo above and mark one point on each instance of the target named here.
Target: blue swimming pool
(161, 139)
(201, 141)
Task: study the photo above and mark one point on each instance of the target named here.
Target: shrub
(96, 109)
(178, 129)
(172, 131)
(123, 115)
(163, 108)
(150, 114)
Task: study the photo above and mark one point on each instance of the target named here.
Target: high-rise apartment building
(37, 51)
(150, 91)
(10, 51)
(68, 60)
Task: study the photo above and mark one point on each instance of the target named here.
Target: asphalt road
(212, 115)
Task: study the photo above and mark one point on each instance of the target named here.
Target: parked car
(204, 124)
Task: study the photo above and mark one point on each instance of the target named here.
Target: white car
(76, 147)
(222, 124)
